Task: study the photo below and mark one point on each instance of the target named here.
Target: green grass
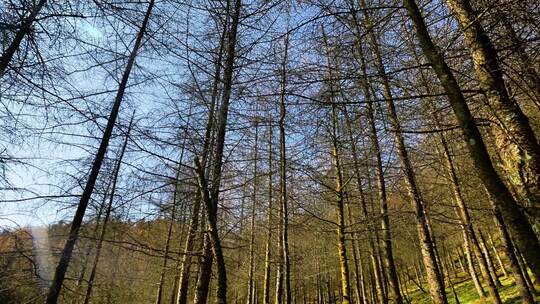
(467, 293)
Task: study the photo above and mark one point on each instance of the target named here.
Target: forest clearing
(270, 151)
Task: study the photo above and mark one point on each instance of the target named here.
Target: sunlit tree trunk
(497, 255)
(516, 134)
(489, 260)
(268, 252)
(341, 245)
(252, 226)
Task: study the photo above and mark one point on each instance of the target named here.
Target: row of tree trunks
(469, 236)
(435, 280)
(499, 194)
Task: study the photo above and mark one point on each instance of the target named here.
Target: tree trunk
(517, 273)
(205, 270)
(489, 260)
(65, 257)
(341, 245)
(252, 226)
(159, 295)
(268, 252)
(107, 216)
(381, 187)
(358, 273)
(497, 255)
(283, 179)
(211, 196)
(24, 30)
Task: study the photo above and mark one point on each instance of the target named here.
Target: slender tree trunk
(381, 187)
(283, 271)
(90, 246)
(205, 271)
(489, 260)
(519, 278)
(268, 253)
(341, 245)
(23, 31)
(497, 255)
(65, 257)
(211, 196)
(358, 275)
(107, 216)
(516, 129)
(252, 226)
(159, 295)
(183, 283)
(283, 177)
(498, 192)
(524, 270)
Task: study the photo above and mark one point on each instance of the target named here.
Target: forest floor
(466, 293)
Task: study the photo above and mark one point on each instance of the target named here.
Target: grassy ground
(466, 293)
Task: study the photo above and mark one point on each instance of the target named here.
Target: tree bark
(489, 260)
(210, 196)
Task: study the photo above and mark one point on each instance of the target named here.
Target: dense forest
(270, 151)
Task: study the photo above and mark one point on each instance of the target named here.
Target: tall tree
(65, 257)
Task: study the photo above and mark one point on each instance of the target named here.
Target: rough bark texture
(521, 149)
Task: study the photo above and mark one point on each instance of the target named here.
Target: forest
(270, 151)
